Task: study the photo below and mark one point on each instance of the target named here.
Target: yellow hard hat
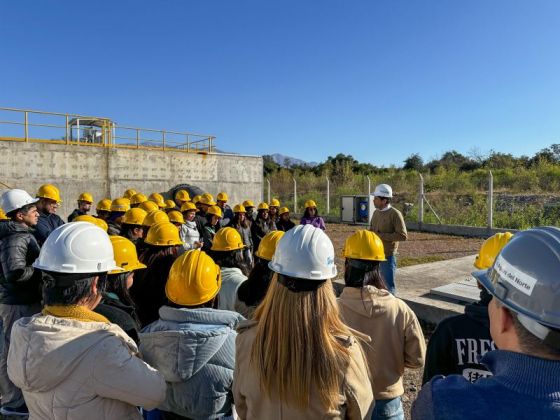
(188, 206)
(148, 206)
(208, 196)
(240, 208)
(175, 217)
(263, 206)
(91, 219)
(215, 210)
(182, 196)
(138, 198)
(134, 216)
(194, 279)
(204, 199)
(104, 205)
(196, 199)
(268, 245)
(87, 197)
(120, 204)
(129, 193)
(222, 197)
(283, 210)
(154, 217)
(274, 202)
(125, 255)
(364, 245)
(158, 199)
(3, 215)
(227, 239)
(490, 249)
(248, 203)
(170, 204)
(163, 234)
(49, 191)
(310, 203)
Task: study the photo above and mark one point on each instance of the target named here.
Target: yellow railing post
(26, 126)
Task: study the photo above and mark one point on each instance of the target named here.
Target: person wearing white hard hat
(19, 282)
(296, 356)
(388, 223)
(70, 362)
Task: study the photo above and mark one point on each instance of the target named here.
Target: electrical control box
(357, 209)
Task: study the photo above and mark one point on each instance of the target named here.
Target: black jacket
(259, 228)
(459, 342)
(118, 313)
(75, 214)
(46, 224)
(284, 225)
(207, 236)
(20, 283)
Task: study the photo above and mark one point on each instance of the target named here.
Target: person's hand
(198, 244)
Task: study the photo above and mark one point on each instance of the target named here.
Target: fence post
(66, 137)
(137, 138)
(328, 195)
(268, 183)
(490, 199)
(163, 139)
(368, 185)
(26, 120)
(295, 195)
(421, 199)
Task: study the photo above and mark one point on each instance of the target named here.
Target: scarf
(77, 312)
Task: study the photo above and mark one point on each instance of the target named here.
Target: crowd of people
(187, 308)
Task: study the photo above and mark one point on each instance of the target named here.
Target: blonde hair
(295, 351)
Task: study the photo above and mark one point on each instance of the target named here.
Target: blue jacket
(46, 224)
(194, 349)
(522, 387)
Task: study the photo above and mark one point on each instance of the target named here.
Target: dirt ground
(420, 248)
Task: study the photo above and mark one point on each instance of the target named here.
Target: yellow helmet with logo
(267, 247)
(248, 203)
(227, 239)
(138, 198)
(240, 208)
(93, 220)
(310, 204)
(120, 204)
(134, 216)
(154, 217)
(188, 206)
(215, 210)
(194, 279)
(222, 197)
(263, 206)
(176, 217)
(158, 199)
(283, 210)
(148, 206)
(364, 245)
(49, 191)
(274, 202)
(182, 196)
(490, 249)
(163, 234)
(87, 197)
(125, 255)
(104, 205)
(129, 193)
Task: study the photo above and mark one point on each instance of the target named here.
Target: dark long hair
(306, 213)
(253, 291)
(116, 283)
(237, 224)
(231, 259)
(360, 273)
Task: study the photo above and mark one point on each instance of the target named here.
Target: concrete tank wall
(109, 172)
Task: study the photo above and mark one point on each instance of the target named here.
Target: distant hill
(288, 161)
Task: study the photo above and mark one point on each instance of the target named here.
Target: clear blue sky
(375, 79)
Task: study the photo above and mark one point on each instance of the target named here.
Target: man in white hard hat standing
(20, 294)
(388, 223)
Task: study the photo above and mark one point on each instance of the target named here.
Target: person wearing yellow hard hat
(250, 210)
(273, 208)
(367, 306)
(243, 226)
(189, 231)
(129, 193)
(176, 217)
(153, 217)
(170, 206)
(450, 339)
(181, 197)
(261, 226)
(119, 207)
(49, 200)
(192, 343)
(251, 293)
(211, 226)
(284, 222)
(161, 248)
(132, 225)
(85, 201)
(116, 304)
(158, 199)
(221, 201)
(137, 199)
(103, 209)
(148, 206)
(93, 220)
(227, 252)
(311, 216)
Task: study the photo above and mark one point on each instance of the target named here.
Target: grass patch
(407, 261)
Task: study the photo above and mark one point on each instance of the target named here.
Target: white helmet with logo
(383, 190)
(16, 199)
(304, 252)
(77, 247)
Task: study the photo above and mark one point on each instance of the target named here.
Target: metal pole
(295, 195)
(368, 185)
(163, 139)
(490, 199)
(268, 182)
(137, 139)
(421, 199)
(26, 126)
(328, 195)
(66, 138)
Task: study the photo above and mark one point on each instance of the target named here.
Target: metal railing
(23, 125)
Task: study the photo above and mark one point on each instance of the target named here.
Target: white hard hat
(304, 252)
(16, 199)
(77, 247)
(383, 190)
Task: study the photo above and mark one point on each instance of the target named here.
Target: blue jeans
(388, 270)
(388, 410)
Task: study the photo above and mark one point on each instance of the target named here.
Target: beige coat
(397, 339)
(356, 398)
(69, 369)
